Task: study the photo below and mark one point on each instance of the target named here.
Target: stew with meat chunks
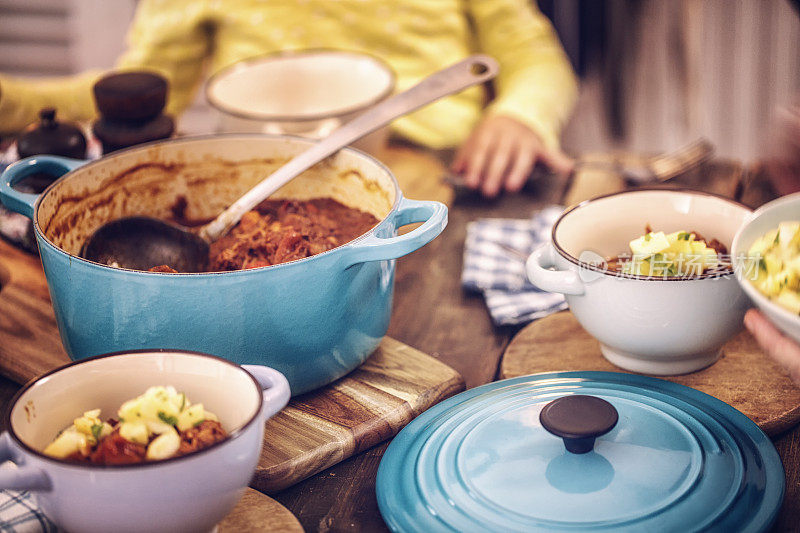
(159, 424)
(279, 231)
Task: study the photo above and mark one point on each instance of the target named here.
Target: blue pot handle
(23, 477)
(433, 215)
(22, 202)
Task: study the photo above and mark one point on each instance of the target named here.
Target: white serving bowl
(308, 93)
(187, 494)
(767, 218)
(660, 326)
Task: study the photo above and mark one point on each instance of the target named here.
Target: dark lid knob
(47, 118)
(579, 420)
(49, 136)
(131, 96)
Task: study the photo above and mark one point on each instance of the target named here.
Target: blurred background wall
(659, 73)
(41, 37)
(655, 74)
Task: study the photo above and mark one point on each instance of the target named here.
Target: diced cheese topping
(652, 243)
(152, 419)
(164, 446)
(674, 254)
(191, 417)
(68, 443)
(777, 256)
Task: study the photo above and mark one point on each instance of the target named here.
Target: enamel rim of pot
(107, 159)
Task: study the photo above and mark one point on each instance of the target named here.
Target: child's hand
(501, 153)
(778, 346)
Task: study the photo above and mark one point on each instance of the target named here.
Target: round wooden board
(258, 512)
(743, 377)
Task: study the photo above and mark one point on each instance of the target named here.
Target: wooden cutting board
(259, 512)
(315, 431)
(743, 377)
(366, 407)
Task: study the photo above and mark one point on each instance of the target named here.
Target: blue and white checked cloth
(500, 274)
(20, 514)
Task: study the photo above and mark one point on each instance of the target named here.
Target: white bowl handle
(538, 269)
(20, 477)
(276, 389)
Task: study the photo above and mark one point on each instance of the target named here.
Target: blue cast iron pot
(313, 319)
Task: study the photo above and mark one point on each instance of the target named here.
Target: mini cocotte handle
(538, 267)
(276, 392)
(22, 476)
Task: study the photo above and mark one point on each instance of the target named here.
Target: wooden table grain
(432, 313)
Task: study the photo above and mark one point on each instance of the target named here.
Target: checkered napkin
(20, 514)
(500, 274)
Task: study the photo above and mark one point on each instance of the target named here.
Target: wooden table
(433, 314)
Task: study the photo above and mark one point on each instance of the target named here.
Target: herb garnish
(171, 420)
(96, 429)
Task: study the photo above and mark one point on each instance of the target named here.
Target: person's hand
(777, 345)
(501, 153)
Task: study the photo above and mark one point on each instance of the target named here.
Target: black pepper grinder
(49, 136)
(46, 137)
(131, 105)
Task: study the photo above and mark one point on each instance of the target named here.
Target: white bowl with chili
(183, 492)
(666, 324)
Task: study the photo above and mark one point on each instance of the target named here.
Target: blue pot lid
(676, 459)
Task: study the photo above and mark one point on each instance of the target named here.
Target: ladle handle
(471, 71)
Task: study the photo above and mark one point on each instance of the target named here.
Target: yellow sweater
(416, 37)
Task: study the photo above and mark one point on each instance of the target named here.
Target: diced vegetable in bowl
(681, 253)
(160, 424)
(777, 254)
